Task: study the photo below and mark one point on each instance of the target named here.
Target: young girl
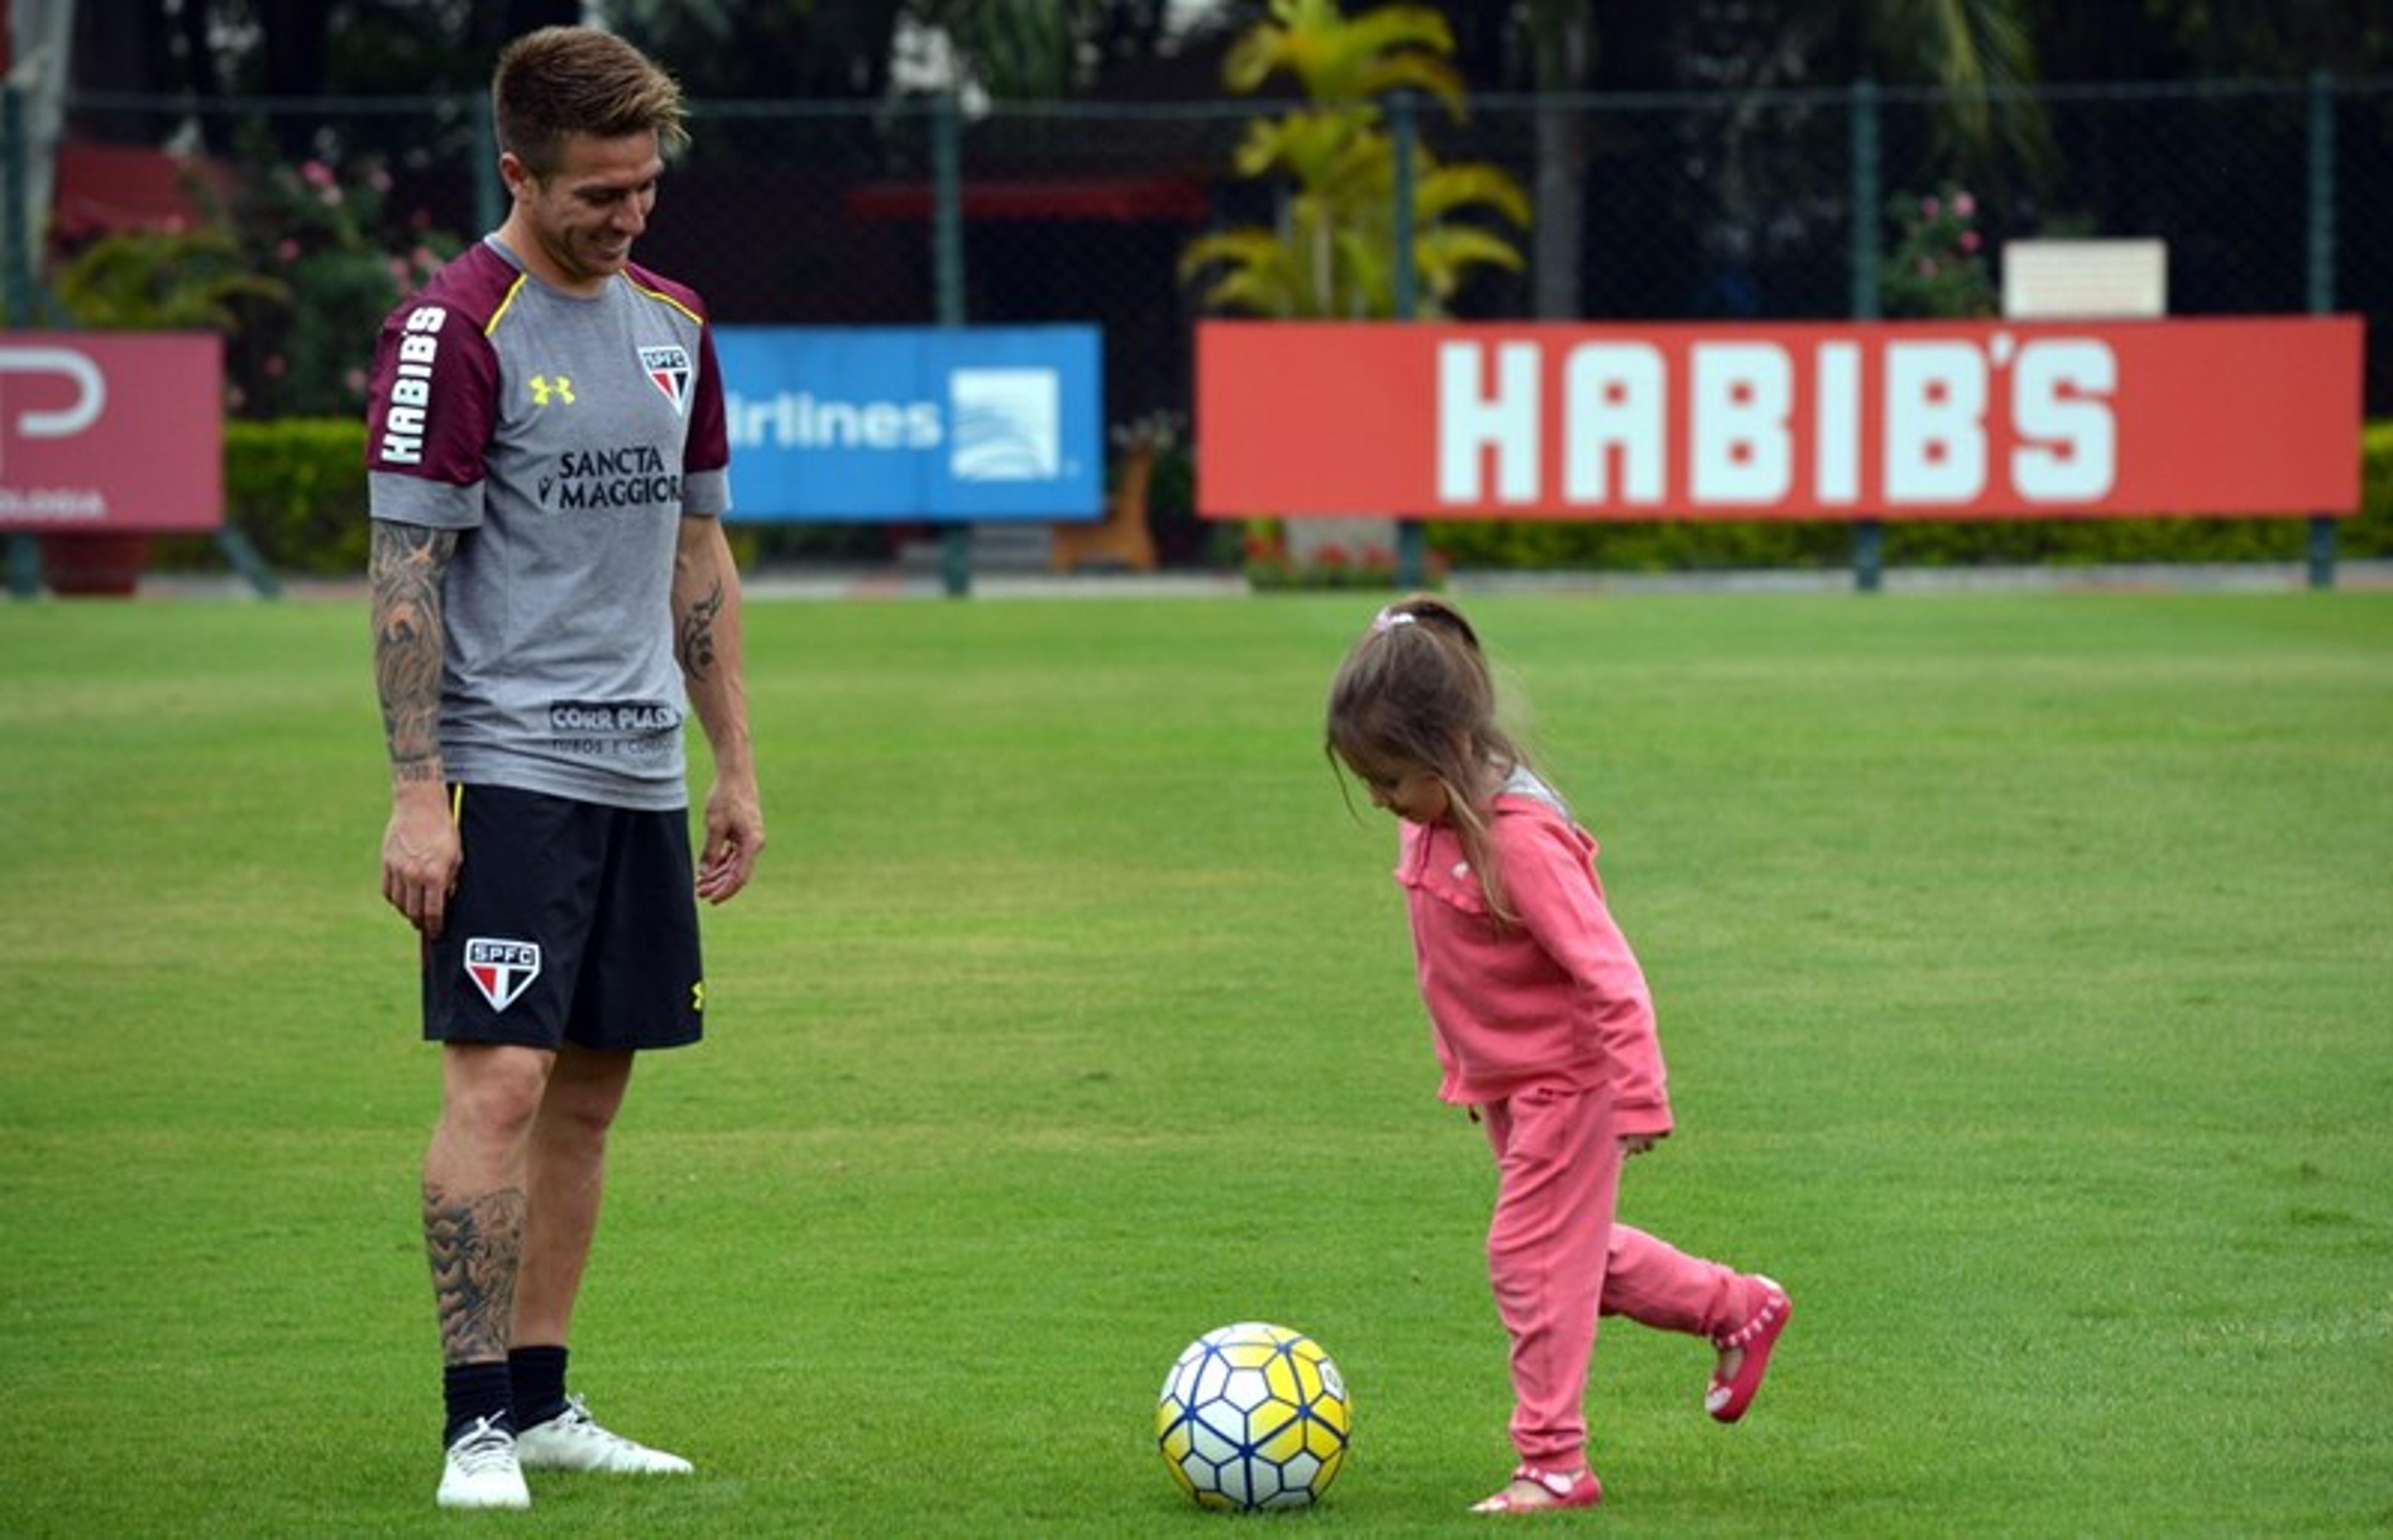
(1544, 1031)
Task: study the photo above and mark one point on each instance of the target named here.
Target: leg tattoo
(474, 1243)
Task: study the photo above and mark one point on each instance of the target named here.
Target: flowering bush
(298, 275)
(1270, 564)
(1938, 268)
(325, 232)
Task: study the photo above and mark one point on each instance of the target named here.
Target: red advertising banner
(111, 431)
(1905, 420)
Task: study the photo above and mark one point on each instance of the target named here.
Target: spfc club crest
(501, 970)
(669, 372)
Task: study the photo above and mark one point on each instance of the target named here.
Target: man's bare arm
(405, 569)
(420, 852)
(707, 643)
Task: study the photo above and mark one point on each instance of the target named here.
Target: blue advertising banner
(856, 423)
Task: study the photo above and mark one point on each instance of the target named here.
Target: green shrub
(2371, 533)
(296, 488)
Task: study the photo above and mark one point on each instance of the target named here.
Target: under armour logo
(545, 390)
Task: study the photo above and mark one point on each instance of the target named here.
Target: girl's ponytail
(1415, 691)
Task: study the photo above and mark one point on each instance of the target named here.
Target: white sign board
(2084, 280)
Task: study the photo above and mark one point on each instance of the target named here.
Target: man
(552, 589)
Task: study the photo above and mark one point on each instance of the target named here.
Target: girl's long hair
(1415, 693)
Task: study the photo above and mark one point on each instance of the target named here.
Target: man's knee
(586, 1092)
(492, 1092)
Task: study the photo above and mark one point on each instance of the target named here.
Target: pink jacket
(1558, 998)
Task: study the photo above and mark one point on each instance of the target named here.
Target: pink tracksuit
(1545, 1029)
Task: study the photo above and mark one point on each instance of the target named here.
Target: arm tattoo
(475, 1244)
(405, 570)
(694, 643)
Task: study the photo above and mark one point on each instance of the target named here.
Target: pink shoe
(1563, 1488)
(1727, 1398)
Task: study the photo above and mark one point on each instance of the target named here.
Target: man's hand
(735, 837)
(421, 857)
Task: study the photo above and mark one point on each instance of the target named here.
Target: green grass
(2025, 972)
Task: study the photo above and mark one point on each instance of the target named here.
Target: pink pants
(1557, 1260)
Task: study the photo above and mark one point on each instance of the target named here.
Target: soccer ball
(1254, 1416)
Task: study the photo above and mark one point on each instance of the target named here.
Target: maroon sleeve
(432, 398)
(708, 447)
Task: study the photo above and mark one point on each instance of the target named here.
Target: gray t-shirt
(566, 438)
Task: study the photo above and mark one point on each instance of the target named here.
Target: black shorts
(571, 923)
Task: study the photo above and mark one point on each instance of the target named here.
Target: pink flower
(331, 196)
(1963, 205)
(317, 174)
(424, 259)
(1927, 266)
(356, 380)
(377, 178)
(1970, 241)
(286, 250)
(1930, 208)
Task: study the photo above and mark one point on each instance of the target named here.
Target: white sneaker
(482, 1471)
(570, 1441)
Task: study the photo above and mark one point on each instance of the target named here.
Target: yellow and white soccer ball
(1254, 1416)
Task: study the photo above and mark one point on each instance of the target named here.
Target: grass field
(2024, 965)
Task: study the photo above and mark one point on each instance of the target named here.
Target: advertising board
(111, 431)
(1881, 419)
(914, 422)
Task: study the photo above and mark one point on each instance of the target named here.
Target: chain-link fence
(1737, 205)
(1716, 207)
(1768, 205)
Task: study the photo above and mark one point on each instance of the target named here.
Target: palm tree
(1334, 253)
(1979, 51)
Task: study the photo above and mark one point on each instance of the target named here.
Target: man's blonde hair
(561, 80)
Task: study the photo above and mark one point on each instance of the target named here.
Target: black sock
(537, 1377)
(474, 1391)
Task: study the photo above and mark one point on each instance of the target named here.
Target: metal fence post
(16, 233)
(2321, 276)
(948, 274)
(1869, 533)
(489, 189)
(1403, 125)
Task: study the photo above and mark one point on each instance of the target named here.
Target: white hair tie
(1389, 620)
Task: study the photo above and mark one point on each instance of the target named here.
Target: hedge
(296, 488)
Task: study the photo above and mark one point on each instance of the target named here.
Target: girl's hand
(1638, 1143)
